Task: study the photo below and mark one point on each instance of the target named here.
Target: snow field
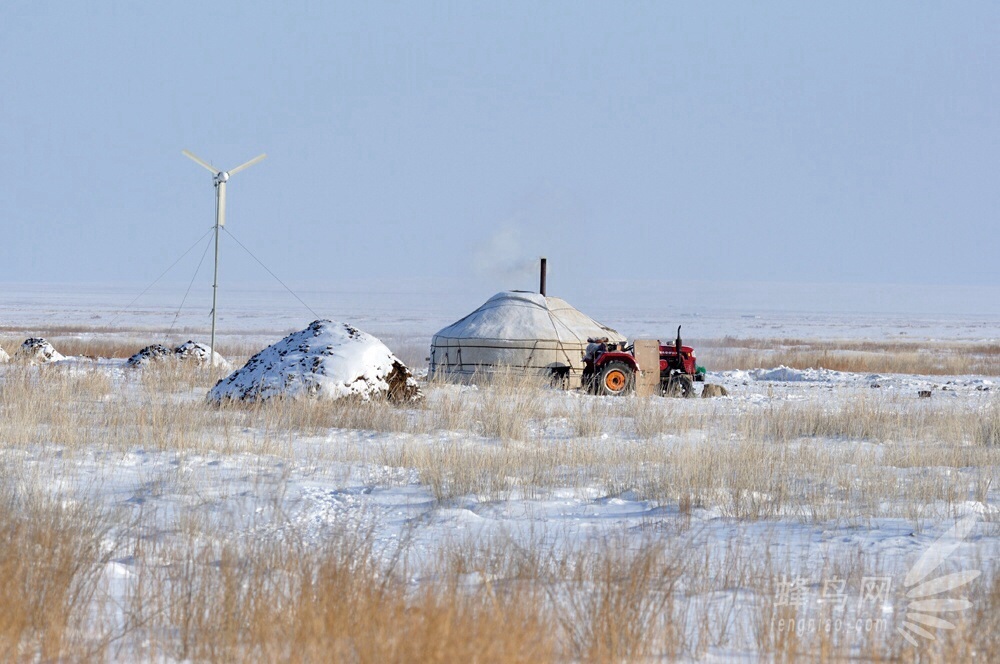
(621, 527)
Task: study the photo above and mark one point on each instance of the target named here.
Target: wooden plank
(647, 356)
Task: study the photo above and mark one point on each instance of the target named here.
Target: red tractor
(611, 368)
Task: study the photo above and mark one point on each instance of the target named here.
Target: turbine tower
(220, 179)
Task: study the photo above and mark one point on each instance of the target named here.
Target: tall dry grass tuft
(51, 564)
(50, 403)
(587, 418)
(260, 600)
(508, 403)
(171, 376)
(442, 620)
(873, 418)
(311, 416)
(656, 416)
(977, 635)
(987, 433)
(453, 468)
(444, 410)
(620, 605)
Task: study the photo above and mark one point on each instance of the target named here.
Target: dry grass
(753, 462)
(841, 460)
(851, 459)
(858, 456)
(978, 636)
(509, 402)
(587, 418)
(198, 596)
(927, 358)
(623, 601)
(280, 601)
(51, 564)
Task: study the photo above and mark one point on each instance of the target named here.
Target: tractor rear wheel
(615, 378)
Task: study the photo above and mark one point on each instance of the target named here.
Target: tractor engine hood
(672, 350)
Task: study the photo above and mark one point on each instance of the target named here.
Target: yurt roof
(519, 315)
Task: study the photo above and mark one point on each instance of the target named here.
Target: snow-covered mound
(149, 354)
(789, 375)
(4, 357)
(327, 360)
(192, 350)
(37, 351)
(187, 351)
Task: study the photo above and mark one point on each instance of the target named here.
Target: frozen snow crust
(327, 360)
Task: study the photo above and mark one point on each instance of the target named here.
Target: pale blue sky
(842, 142)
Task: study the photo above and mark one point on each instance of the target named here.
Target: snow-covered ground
(250, 481)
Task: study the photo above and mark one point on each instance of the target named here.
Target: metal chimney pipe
(541, 281)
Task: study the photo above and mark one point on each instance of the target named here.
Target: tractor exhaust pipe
(541, 279)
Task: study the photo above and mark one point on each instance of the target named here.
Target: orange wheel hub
(615, 380)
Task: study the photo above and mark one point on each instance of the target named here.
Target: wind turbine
(220, 180)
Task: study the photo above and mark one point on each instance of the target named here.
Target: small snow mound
(789, 375)
(187, 351)
(154, 353)
(37, 351)
(327, 360)
(192, 350)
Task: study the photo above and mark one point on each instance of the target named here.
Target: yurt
(521, 330)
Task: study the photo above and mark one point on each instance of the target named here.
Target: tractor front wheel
(615, 378)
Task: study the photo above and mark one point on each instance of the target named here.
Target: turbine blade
(248, 164)
(201, 162)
